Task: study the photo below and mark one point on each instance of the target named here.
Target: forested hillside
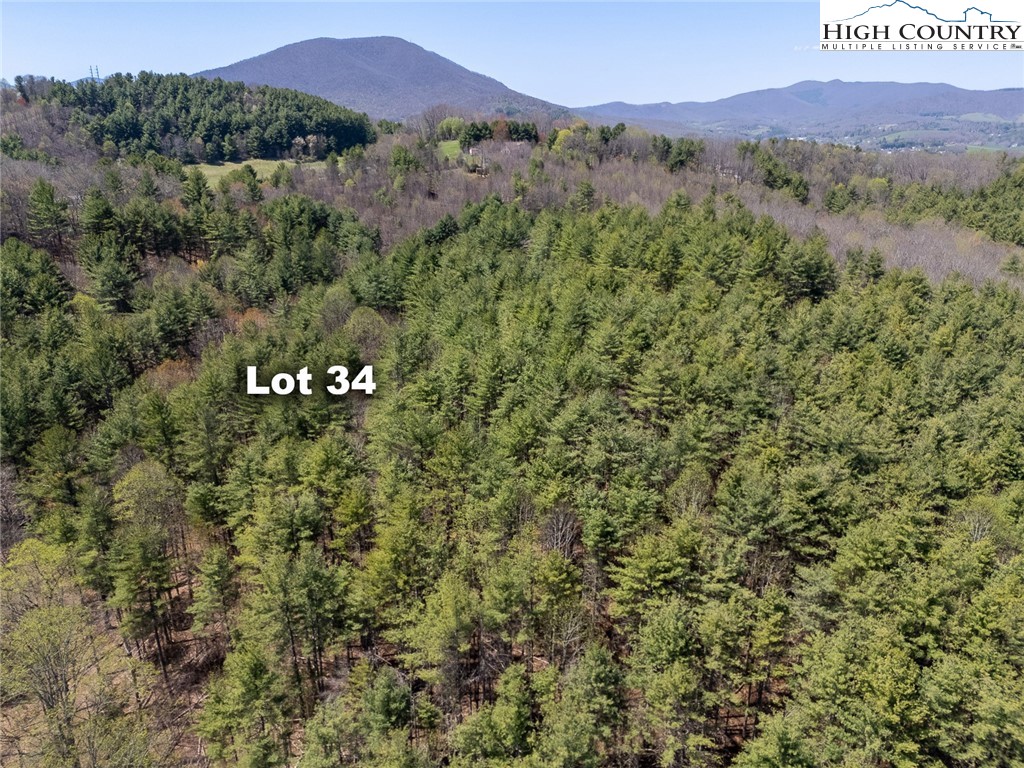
(197, 120)
(648, 477)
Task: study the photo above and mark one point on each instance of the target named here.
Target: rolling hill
(386, 77)
(872, 114)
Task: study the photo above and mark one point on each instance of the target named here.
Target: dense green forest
(645, 481)
(196, 120)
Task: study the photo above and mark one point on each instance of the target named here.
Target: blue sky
(574, 53)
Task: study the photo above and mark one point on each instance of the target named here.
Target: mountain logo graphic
(905, 5)
(920, 25)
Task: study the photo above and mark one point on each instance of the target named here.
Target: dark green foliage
(661, 146)
(473, 133)
(606, 133)
(773, 172)
(994, 208)
(388, 127)
(30, 283)
(113, 269)
(48, 220)
(98, 215)
(246, 715)
(839, 198)
(304, 243)
(196, 120)
(403, 160)
(685, 152)
(12, 145)
(740, 410)
(522, 131)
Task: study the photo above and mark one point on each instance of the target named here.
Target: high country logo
(945, 25)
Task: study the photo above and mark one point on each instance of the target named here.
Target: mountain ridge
(386, 77)
(835, 110)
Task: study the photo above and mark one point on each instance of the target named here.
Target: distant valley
(876, 115)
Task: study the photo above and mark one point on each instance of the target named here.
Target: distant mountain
(383, 76)
(871, 114)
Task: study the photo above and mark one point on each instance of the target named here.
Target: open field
(263, 167)
(449, 150)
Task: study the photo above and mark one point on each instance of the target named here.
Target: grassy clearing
(449, 150)
(263, 168)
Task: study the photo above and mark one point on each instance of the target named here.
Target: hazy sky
(575, 53)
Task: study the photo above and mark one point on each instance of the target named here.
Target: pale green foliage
(80, 694)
